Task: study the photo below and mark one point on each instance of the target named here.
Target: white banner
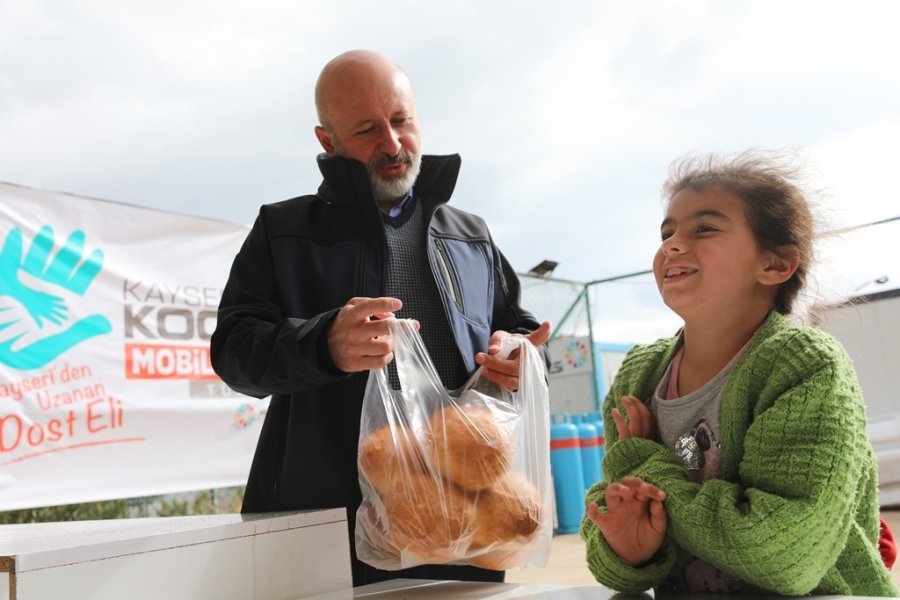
(106, 389)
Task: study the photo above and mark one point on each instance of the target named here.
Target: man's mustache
(404, 156)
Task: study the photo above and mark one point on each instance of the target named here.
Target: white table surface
(41, 545)
(418, 589)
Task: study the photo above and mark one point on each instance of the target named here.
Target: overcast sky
(566, 114)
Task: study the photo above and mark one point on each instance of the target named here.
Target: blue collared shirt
(397, 209)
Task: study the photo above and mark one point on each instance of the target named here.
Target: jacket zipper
(448, 275)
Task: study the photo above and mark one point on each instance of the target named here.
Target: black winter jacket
(302, 261)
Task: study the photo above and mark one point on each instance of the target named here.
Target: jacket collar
(346, 181)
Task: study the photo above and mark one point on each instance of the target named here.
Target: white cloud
(566, 116)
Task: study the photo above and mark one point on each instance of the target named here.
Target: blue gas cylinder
(589, 442)
(568, 475)
(597, 419)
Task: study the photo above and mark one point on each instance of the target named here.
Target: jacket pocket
(465, 269)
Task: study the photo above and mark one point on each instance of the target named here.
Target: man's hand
(639, 423)
(359, 339)
(505, 371)
(634, 524)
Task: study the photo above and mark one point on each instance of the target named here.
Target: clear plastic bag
(454, 477)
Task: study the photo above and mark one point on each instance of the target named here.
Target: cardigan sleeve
(612, 571)
(606, 566)
(786, 520)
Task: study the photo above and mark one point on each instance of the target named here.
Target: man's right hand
(359, 339)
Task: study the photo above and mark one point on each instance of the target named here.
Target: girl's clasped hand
(634, 523)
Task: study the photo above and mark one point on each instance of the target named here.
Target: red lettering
(54, 430)
(70, 421)
(93, 416)
(4, 436)
(158, 361)
(35, 429)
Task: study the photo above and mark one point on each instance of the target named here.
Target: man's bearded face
(388, 187)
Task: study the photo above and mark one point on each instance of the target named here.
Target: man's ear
(779, 266)
(325, 140)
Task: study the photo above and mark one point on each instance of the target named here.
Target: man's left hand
(505, 371)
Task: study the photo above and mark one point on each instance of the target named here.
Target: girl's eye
(705, 228)
(664, 235)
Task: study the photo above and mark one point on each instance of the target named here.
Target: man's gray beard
(387, 190)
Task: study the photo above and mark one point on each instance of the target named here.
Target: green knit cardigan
(795, 510)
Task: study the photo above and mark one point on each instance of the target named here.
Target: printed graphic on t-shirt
(699, 451)
(695, 575)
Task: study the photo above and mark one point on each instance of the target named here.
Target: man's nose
(390, 142)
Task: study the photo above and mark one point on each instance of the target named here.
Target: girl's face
(709, 260)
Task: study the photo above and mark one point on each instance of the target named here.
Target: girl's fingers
(619, 492)
(595, 515)
(634, 419)
(639, 417)
(659, 520)
(650, 492)
(612, 493)
(621, 426)
(643, 490)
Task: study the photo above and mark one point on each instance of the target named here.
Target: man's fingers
(359, 338)
(495, 342)
(501, 365)
(510, 382)
(351, 332)
(374, 346)
(376, 328)
(539, 336)
(363, 308)
(371, 363)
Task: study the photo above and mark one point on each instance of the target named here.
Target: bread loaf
(388, 454)
(429, 518)
(468, 447)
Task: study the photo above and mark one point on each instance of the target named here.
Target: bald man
(301, 317)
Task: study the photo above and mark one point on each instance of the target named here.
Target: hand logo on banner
(61, 272)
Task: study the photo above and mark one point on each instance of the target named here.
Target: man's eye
(365, 131)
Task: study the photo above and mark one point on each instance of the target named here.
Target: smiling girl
(737, 456)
